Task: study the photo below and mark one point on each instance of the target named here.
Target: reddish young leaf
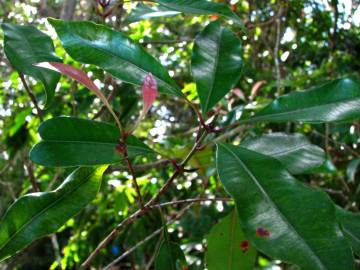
(149, 90)
(81, 77)
(73, 73)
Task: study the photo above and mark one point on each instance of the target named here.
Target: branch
(337, 143)
(103, 108)
(132, 172)
(68, 10)
(143, 167)
(55, 244)
(148, 206)
(193, 200)
(148, 238)
(276, 50)
(29, 169)
(31, 95)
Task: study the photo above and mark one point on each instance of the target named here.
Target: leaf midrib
(96, 142)
(270, 201)
(90, 44)
(215, 70)
(357, 99)
(280, 153)
(45, 209)
(231, 248)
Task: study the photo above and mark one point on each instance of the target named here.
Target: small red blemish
(186, 268)
(261, 232)
(214, 17)
(244, 245)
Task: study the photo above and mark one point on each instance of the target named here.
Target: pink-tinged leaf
(149, 92)
(74, 73)
(81, 77)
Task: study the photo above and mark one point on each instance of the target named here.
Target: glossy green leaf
(227, 246)
(294, 151)
(201, 7)
(216, 63)
(170, 257)
(352, 169)
(338, 100)
(350, 223)
(25, 46)
(281, 216)
(38, 214)
(68, 141)
(99, 45)
(145, 12)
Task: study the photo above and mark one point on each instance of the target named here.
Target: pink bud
(149, 92)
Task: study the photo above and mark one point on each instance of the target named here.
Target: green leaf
(282, 217)
(352, 169)
(68, 141)
(338, 100)
(145, 12)
(216, 63)
(112, 51)
(201, 7)
(25, 46)
(294, 151)
(226, 246)
(170, 257)
(39, 214)
(350, 223)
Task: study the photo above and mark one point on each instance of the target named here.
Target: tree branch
(31, 95)
(148, 238)
(148, 206)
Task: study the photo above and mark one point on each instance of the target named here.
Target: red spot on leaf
(214, 17)
(261, 232)
(244, 245)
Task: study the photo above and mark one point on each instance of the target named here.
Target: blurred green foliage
(299, 35)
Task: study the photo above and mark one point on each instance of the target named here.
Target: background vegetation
(288, 45)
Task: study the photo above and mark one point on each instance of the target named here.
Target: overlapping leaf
(25, 46)
(352, 168)
(227, 246)
(39, 214)
(335, 101)
(99, 45)
(201, 7)
(170, 257)
(216, 63)
(144, 12)
(70, 141)
(294, 151)
(350, 223)
(282, 217)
